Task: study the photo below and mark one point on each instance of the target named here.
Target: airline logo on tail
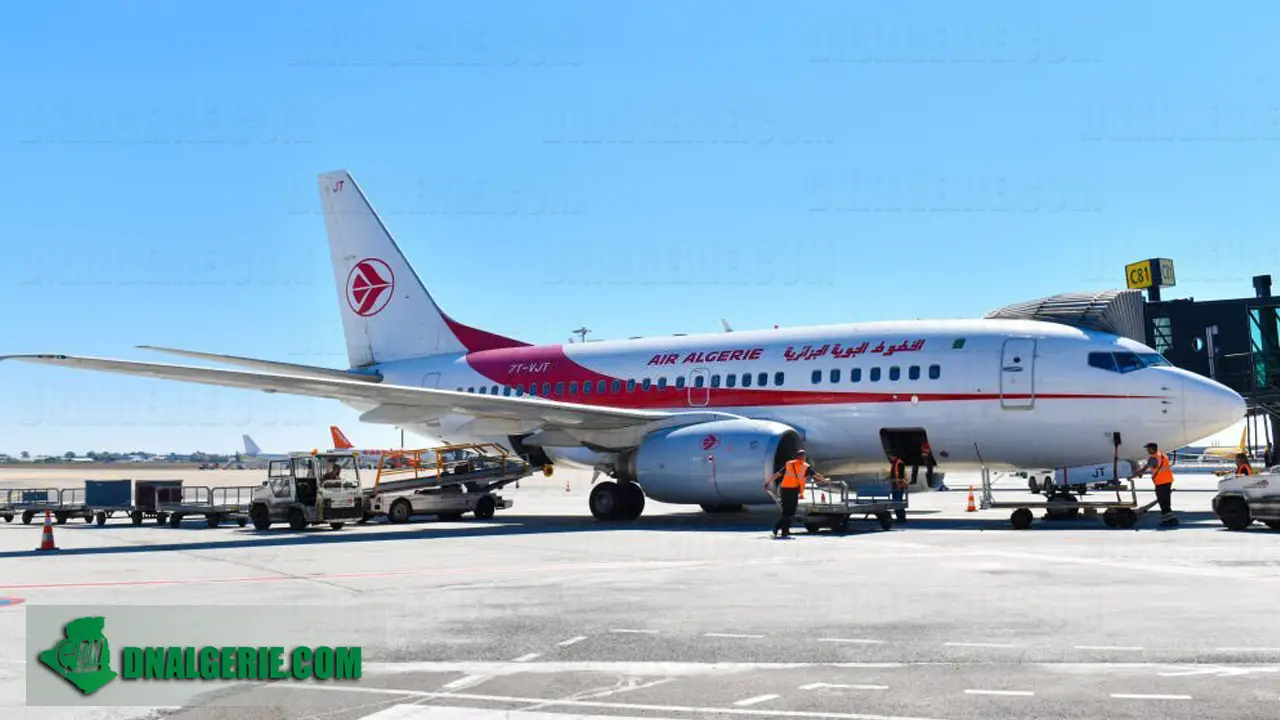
(340, 441)
(369, 287)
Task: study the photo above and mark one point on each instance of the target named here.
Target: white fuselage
(1007, 393)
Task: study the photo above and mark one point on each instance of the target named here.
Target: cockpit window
(1126, 362)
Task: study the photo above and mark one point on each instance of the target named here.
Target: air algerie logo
(83, 658)
(709, 442)
(369, 287)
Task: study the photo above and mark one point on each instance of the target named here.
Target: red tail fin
(340, 441)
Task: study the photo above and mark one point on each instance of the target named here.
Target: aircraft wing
(429, 402)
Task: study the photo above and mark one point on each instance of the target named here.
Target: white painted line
(732, 635)
(1109, 647)
(571, 641)
(625, 630)
(851, 640)
(1245, 649)
(464, 682)
(1013, 693)
(819, 686)
(757, 699)
(1124, 696)
(513, 700)
(979, 645)
(527, 658)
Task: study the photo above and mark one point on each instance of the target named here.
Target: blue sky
(640, 169)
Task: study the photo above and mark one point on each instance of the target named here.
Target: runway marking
(732, 635)
(1012, 693)
(351, 576)
(571, 641)
(851, 640)
(682, 709)
(1245, 649)
(635, 632)
(756, 700)
(1126, 696)
(1108, 647)
(819, 686)
(465, 681)
(527, 658)
(979, 645)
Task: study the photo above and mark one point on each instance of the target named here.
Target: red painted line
(319, 576)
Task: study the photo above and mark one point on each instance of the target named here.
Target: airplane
(706, 419)
(255, 453)
(340, 442)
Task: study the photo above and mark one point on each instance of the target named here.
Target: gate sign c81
(1155, 272)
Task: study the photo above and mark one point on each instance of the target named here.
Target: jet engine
(722, 463)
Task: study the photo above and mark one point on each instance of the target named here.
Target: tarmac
(542, 613)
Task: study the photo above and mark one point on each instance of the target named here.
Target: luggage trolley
(6, 505)
(30, 502)
(833, 504)
(215, 504)
(71, 504)
(105, 498)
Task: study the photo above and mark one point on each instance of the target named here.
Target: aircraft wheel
(400, 511)
(1234, 513)
(605, 501)
(485, 507)
(633, 501)
(297, 521)
(1021, 519)
(261, 517)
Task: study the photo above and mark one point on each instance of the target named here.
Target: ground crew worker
(791, 479)
(1242, 465)
(1162, 476)
(926, 459)
(898, 482)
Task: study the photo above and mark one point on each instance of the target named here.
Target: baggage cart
(32, 501)
(105, 498)
(446, 481)
(833, 504)
(214, 504)
(71, 504)
(148, 495)
(6, 505)
(1118, 513)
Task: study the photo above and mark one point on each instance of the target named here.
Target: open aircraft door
(1017, 374)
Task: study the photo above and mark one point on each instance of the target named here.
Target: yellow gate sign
(1155, 272)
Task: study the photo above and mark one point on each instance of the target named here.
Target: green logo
(83, 658)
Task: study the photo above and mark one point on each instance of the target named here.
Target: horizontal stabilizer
(287, 368)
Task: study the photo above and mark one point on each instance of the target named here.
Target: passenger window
(662, 383)
(459, 389)
(914, 372)
(680, 383)
(875, 374)
(601, 386)
(730, 380)
(935, 371)
(631, 385)
(546, 389)
(1102, 361)
(573, 387)
(762, 379)
(746, 379)
(519, 391)
(483, 391)
(644, 385)
(560, 388)
(855, 375)
(715, 381)
(617, 386)
(895, 372)
(778, 377)
(835, 376)
(817, 376)
(586, 387)
(699, 381)
(471, 389)
(506, 391)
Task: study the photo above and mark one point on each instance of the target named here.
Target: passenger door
(1017, 374)
(699, 392)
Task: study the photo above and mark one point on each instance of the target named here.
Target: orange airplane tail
(340, 441)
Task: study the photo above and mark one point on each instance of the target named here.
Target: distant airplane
(1220, 454)
(340, 442)
(707, 419)
(253, 452)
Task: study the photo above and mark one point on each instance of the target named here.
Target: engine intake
(723, 461)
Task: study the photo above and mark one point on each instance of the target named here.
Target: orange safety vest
(1244, 469)
(795, 475)
(897, 473)
(1163, 475)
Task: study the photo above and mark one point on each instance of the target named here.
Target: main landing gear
(616, 501)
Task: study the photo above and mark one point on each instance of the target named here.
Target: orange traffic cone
(46, 536)
(972, 507)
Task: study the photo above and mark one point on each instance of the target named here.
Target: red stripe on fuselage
(521, 366)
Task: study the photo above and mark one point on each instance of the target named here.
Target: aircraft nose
(1209, 407)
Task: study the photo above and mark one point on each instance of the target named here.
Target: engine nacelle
(718, 462)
